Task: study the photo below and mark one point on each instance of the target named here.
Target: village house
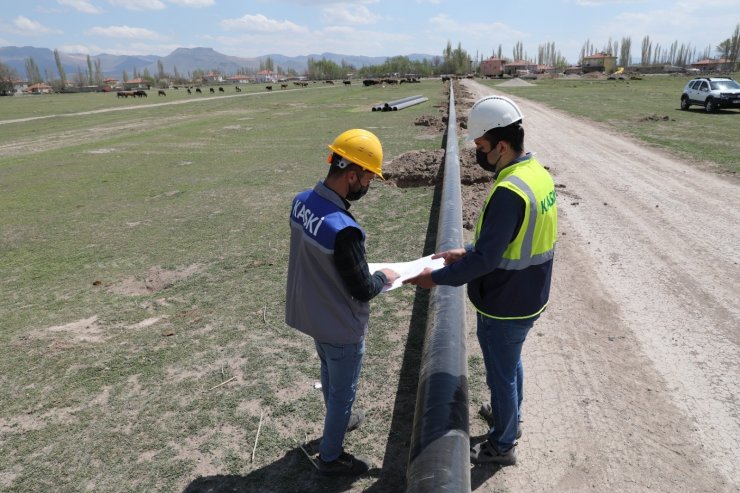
(212, 77)
(266, 76)
(110, 82)
(711, 64)
(137, 83)
(493, 67)
(39, 88)
(240, 79)
(599, 62)
(520, 67)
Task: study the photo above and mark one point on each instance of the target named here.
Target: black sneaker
(356, 420)
(486, 413)
(485, 453)
(344, 465)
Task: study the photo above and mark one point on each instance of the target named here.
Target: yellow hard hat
(362, 148)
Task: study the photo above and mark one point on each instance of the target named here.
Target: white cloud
(138, 4)
(193, 3)
(83, 6)
(123, 32)
(429, 2)
(84, 49)
(349, 14)
(261, 24)
(26, 26)
(445, 24)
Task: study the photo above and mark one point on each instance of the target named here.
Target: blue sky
(359, 27)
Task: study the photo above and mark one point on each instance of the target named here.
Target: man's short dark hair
(340, 165)
(513, 134)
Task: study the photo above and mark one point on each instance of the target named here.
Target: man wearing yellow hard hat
(329, 286)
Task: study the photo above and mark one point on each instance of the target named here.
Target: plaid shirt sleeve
(349, 258)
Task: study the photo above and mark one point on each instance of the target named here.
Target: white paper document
(407, 270)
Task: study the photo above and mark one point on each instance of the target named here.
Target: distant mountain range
(186, 60)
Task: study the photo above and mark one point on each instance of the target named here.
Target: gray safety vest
(317, 301)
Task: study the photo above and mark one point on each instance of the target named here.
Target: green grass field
(629, 106)
(142, 264)
(105, 385)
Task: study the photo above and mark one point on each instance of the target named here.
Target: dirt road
(633, 374)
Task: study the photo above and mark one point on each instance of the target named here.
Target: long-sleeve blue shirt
(501, 222)
(500, 293)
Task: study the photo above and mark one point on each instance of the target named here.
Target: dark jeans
(501, 342)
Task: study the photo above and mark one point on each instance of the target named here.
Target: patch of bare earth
(632, 373)
(422, 168)
(157, 279)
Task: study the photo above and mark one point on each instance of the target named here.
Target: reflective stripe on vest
(532, 214)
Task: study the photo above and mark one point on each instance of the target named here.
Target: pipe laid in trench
(439, 456)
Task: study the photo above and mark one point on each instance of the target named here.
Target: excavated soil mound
(415, 169)
(423, 168)
(436, 124)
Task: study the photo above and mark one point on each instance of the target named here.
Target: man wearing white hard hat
(507, 268)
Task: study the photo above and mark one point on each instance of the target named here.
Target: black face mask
(482, 159)
(353, 195)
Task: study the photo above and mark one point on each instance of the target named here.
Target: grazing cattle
(269, 88)
(140, 94)
(124, 94)
(238, 89)
(330, 82)
(212, 90)
(283, 86)
(370, 82)
(304, 84)
(220, 89)
(197, 89)
(189, 91)
(347, 82)
(161, 93)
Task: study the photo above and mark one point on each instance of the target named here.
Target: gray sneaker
(486, 413)
(355, 420)
(344, 465)
(486, 453)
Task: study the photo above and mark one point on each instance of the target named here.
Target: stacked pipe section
(439, 456)
(400, 104)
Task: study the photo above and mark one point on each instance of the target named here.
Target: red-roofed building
(266, 76)
(711, 64)
(520, 67)
(240, 79)
(213, 77)
(493, 67)
(137, 83)
(39, 88)
(599, 62)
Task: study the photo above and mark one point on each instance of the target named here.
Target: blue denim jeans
(501, 342)
(340, 372)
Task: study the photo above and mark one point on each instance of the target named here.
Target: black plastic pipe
(405, 104)
(380, 106)
(439, 456)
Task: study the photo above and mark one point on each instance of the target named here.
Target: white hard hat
(491, 112)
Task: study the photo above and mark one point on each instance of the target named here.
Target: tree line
(452, 61)
(681, 55)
